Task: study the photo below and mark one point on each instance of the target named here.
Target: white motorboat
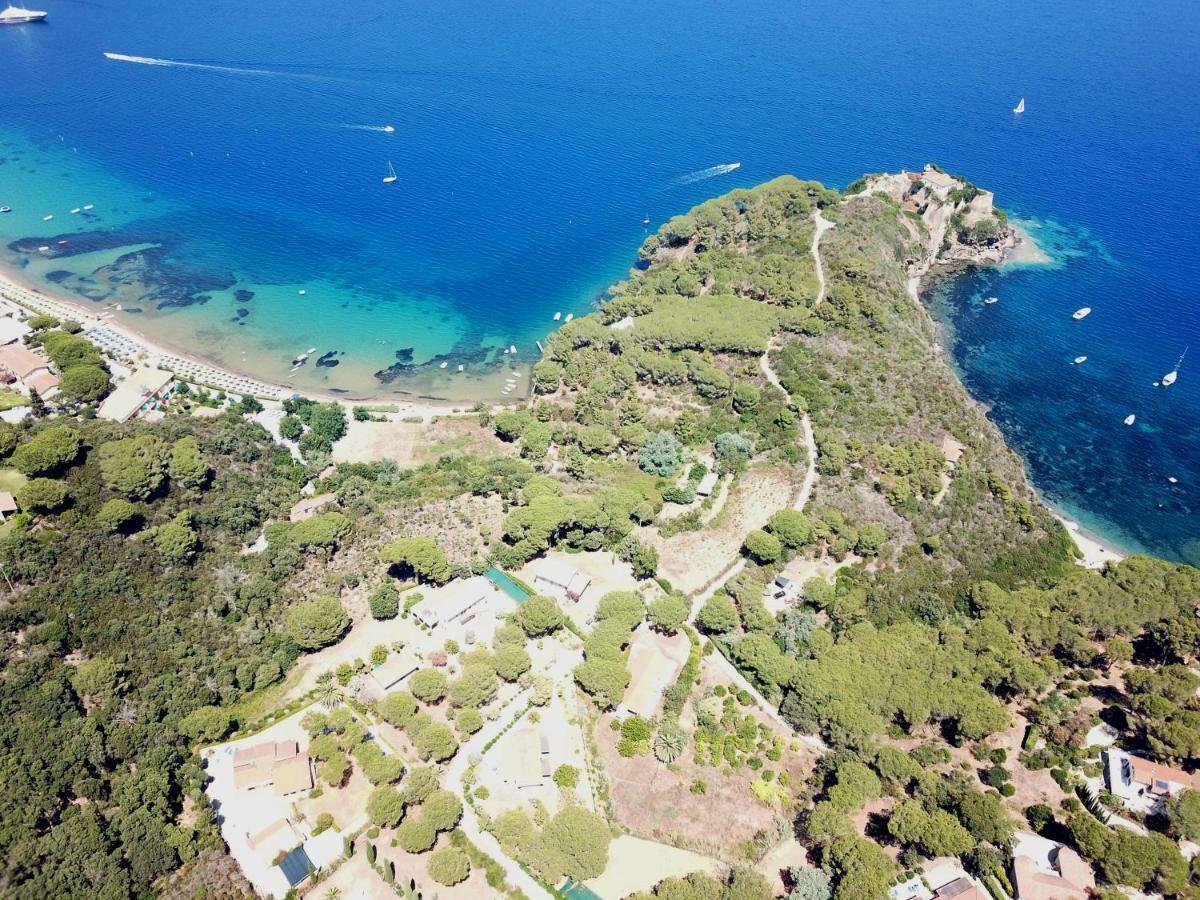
(990, 300)
(1080, 359)
(15, 15)
(1082, 313)
(1130, 419)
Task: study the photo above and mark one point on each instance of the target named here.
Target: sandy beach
(1095, 553)
(1027, 251)
(129, 344)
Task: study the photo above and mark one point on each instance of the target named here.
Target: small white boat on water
(1080, 360)
(443, 365)
(5, 209)
(43, 249)
(88, 206)
(1172, 479)
(1082, 313)
(391, 176)
(1130, 419)
(76, 211)
(990, 300)
(557, 316)
(512, 348)
(302, 292)
(569, 317)
(15, 15)
(1020, 107)
(1170, 377)
(461, 367)
(47, 218)
(389, 128)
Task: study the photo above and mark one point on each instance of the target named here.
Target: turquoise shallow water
(531, 138)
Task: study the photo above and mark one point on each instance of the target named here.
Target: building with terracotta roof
(29, 368)
(279, 764)
(1143, 785)
(1046, 870)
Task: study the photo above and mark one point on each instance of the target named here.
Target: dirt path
(802, 497)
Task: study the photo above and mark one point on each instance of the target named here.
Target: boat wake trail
(710, 172)
(211, 67)
(382, 129)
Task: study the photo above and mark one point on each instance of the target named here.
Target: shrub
(449, 866)
(316, 623)
(442, 810)
(385, 601)
(566, 777)
(415, 835)
(428, 685)
(41, 495)
(48, 451)
(763, 547)
(539, 615)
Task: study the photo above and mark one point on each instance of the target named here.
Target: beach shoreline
(1094, 551)
(194, 367)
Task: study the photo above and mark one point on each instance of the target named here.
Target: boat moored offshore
(1082, 313)
(15, 15)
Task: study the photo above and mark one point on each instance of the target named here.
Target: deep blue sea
(531, 139)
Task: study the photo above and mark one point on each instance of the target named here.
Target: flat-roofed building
(310, 506)
(458, 601)
(12, 330)
(276, 763)
(398, 666)
(655, 661)
(707, 484)
(141, 391)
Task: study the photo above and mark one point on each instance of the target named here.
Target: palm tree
(668, 745)
(329, 692)
(333, 893)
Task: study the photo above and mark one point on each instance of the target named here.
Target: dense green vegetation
(133, 625)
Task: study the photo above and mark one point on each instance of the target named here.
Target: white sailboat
(1169, 378)
(1081, 313)
(1020, 107)
(390, 177)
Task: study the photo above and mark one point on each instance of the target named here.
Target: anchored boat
(15, 15)
(1170, 377)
